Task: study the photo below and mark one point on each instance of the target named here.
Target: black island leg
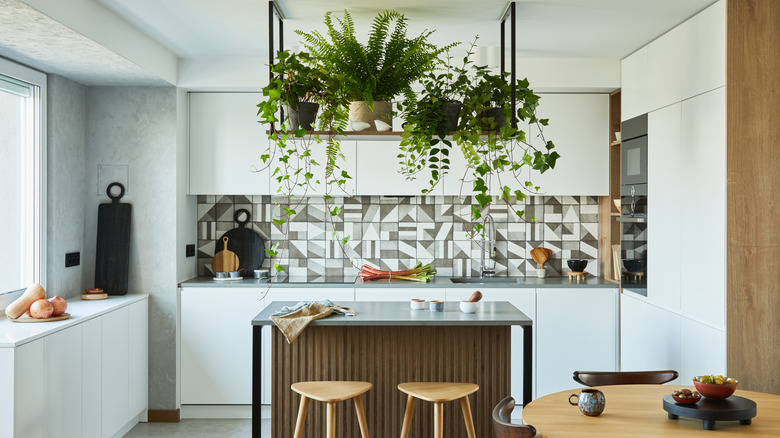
(528, 340)
(257, 378)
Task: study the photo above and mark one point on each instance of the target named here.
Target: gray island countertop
(384, 313)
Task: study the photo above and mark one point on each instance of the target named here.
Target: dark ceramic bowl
(634, 265)
(577, 265)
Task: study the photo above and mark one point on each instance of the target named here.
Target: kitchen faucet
(489, 246)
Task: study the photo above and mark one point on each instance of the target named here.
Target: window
(22, 176)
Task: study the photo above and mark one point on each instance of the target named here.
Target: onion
(59, 306)
(41, 309)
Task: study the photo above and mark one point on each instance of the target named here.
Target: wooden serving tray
(102, 296)
(25, 318)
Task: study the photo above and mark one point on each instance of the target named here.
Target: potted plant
(373, 74)
(299, 84)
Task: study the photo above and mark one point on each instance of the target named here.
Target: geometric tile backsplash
(396, 232)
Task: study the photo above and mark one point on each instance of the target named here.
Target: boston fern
(383, 68)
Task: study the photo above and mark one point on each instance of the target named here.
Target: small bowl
(261, 274)
(234, 274)
(436, 306)
(686, 401)
(221, 275)
(417, 304)
(94, 291)
(577, 265)
(715, 391)
(469, 306)
(634, 265)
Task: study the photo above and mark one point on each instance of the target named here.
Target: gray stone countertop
(385, 313)
(436, 282)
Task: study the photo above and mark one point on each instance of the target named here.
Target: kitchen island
(387, 343)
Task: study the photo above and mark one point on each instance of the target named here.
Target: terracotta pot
(360, 112)
(303, 116)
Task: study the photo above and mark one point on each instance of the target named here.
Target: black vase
(452, 115)
(303, 116)
(498, 119)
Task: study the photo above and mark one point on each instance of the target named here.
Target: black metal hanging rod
(511, 14)
(273, 11)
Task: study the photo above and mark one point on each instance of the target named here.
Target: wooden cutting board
(541, 255)
(225, 260)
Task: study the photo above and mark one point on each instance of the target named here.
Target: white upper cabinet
(378, 171)
(317, 184)
(664, 77)
(704, 51)
(226, 142)
(579, 127)
(634, 87)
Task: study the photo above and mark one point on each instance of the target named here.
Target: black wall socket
(72, 259)
(190, 250)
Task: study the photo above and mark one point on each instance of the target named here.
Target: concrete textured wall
(131, 135)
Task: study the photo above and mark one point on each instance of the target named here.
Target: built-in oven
(633, 204)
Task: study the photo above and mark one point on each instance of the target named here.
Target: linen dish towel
(292, 320)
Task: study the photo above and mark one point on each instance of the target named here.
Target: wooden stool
(438, 393)
(331, 393)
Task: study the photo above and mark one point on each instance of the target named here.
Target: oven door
(633, 157)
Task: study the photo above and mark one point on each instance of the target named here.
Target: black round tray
(734, 408)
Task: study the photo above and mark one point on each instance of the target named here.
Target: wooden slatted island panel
(387, 343)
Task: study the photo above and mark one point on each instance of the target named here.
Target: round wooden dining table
(637, 411)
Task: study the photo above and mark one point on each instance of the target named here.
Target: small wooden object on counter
(475, 297)
(331, 393)
(541, 255)
(49, 319)
(102, 296)
(438, 393)
(577, 276)
(225, 260)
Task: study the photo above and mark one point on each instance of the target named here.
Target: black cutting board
(247, 244)
(112, 260)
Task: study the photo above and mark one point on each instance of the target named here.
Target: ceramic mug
(417, 304)
(591, 402)
(436, 306)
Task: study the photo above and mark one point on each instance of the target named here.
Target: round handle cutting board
(225, 260)
(247, 244)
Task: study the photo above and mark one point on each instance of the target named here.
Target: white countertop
(14, 334)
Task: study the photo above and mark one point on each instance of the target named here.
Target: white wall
(136, 127)
(66, 186)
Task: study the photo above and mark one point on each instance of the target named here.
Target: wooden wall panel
(387, 356)
(753, 175)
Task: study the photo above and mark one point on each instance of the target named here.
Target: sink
(486, 280)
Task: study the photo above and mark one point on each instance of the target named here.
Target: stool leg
(361, 414)
(464, 405)
(301, 416)
(331, 423)
(408, 417)
(438, 420)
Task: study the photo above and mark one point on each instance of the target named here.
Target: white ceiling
(609, 29)
(32, 38)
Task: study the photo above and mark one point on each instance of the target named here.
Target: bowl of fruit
(686, 396)
(716, 387)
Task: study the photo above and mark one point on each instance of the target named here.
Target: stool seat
(331, 391)
(438, 392)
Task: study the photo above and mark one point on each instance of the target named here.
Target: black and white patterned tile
(396, 232)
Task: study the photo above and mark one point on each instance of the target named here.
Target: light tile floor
(198, 429)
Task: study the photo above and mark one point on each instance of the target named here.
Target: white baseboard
(223, 411)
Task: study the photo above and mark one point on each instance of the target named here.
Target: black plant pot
(303, 116)
(498, 119)
(452, 115)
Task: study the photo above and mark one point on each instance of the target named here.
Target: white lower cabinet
(216, 340)
(576, 329)
(63, 373)
(78, 380)
(649, 336)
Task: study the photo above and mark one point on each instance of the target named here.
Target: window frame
(37, 79)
